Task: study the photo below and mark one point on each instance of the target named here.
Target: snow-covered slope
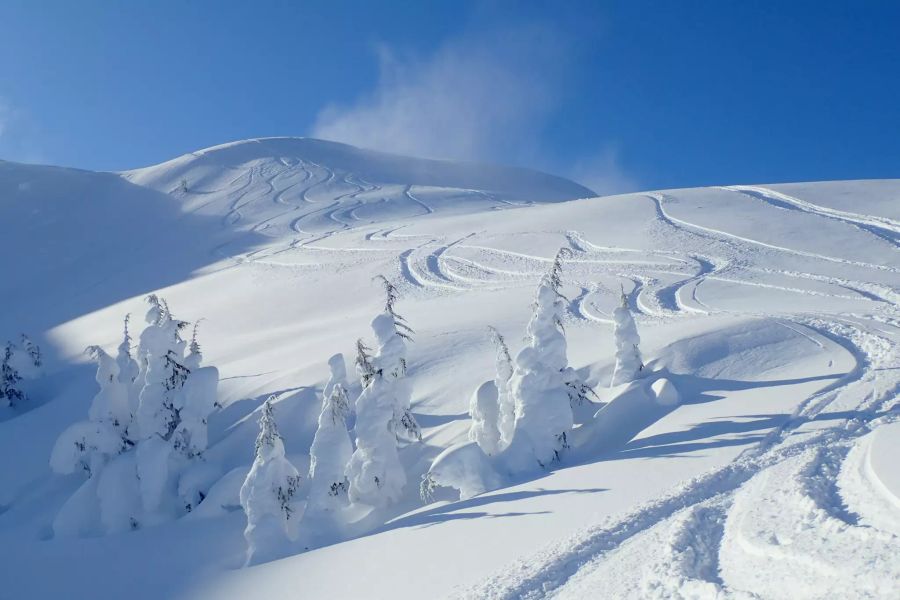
(300, 186)
(773, 310)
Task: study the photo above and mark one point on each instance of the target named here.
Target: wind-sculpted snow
(763, 468)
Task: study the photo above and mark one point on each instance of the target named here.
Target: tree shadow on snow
(742, 430)
(448, 512)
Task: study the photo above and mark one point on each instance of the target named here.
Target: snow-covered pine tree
(32, 350)
(391, 334)
(364, 367)
(382, 413)
(162, 353)
(374, 472)
(338, 377)
(485, 406)
(158, 416)
(506, 421)
(330, 452)
(195, 401)
(11, 392)
(629, 363)
(543, 411)
(128, 372)
(88, 445)
(267, 495)
(110, 405)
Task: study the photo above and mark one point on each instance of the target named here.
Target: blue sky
(618, 95)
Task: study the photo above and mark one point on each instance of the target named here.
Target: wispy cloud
(603, 173)
(480, 97)
(476, 98)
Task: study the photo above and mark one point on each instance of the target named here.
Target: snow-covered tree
(330, 452)
(365, 370)
(146, 430)
(90, 446)
(162, 355)
(487, 409)
(32, 350)
(484, 415)
(176, 397)
(383, 414)
(129, 370)
(87, 445)
(110, 405)
(391, 334)
(337, 377)
(374, 472)
(506, 421)
(629, 363)
(195, 402)
(538, 385)
(11, 392)
(267, 495)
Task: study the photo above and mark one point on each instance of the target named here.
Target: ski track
(659, 199)
(408, 193)
(882, 227)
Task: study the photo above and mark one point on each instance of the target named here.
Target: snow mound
(665, 392)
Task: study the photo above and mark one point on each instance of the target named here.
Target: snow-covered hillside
(773, 310)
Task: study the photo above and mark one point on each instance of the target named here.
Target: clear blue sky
(617, 94)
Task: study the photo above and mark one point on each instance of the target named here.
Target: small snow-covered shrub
(484, 412)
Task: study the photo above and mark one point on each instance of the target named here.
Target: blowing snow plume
(478, 97)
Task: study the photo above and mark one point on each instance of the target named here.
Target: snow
(665, 392)
(756, 454)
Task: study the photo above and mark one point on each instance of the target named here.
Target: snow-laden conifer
(391, 334)
(11, 392)
(337, 377)
(330, 452)
(365, 370)
(32, 350)
(538, 386)
(629, 363)
(383, 414)
(195, 402)
(110, 404)
(162, 354)
(267, 495)
(128, 370)
(88, 446)
(486, 408)
(374, 472)
(506, 420)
